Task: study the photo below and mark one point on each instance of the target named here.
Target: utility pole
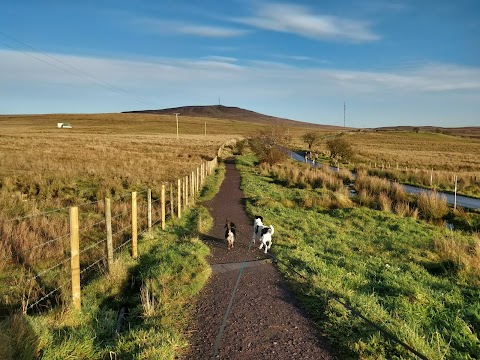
(344, 109)
(176, 117)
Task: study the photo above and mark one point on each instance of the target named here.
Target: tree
(311, 138)
(268, 148)
(340, 149)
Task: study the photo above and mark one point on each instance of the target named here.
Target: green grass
(383, 265)
(172, 266)
(212, 184)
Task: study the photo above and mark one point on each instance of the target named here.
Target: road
(463, 201)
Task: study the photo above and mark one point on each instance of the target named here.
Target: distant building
(64, 126)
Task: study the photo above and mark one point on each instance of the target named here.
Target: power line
(86, 76)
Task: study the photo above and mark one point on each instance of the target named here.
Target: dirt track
(264, 321)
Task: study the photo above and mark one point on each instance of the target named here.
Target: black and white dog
(230, 233)
(265, 233)
(257, 227)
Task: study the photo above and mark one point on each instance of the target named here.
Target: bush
(340, 149)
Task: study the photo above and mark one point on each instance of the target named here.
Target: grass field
(395, 271)
(425, 159)
(44, 170)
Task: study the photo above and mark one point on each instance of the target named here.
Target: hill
(233, 113)
(471, 131)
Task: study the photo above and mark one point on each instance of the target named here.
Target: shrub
(273, 156)
(340, 149)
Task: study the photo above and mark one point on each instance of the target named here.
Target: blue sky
(393, 62)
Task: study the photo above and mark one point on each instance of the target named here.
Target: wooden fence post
(179, 198)
(171, 201)
(199, 185)
(192, 188)
(75, 257)
(187, 202)
(149, 195)
(108, 221)
(134, 225)
(455, 199)
(163, 206)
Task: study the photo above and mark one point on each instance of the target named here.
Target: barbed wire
(93, 264)
(47, 242)
(47, 295)
(49, 269)
(122, 245)
(35, 215)
(91, 225)
(92, 246)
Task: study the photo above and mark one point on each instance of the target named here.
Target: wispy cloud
(160, 26)
(302, 21)
(221, 58)
(291, 91)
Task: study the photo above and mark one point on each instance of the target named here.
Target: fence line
(167, 205)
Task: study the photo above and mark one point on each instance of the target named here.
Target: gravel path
(264, 320)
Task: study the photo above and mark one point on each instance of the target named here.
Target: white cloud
(302, 21)
(221, 58)
(160, 26)
(30, 86)
(210, 31)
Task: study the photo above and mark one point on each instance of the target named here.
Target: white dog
(257, 227)
(266, 238)
(230, 233)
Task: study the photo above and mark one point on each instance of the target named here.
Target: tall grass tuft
(402, 209)
(147, 300)
(18, 339)
(385, 202)
(432, 206)
(464, 256)
(364, 198)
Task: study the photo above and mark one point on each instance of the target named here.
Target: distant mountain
(233, 113)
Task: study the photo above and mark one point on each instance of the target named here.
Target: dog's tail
(272, 230)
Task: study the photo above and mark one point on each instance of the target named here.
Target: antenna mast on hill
(344, 109)
(218, 101)
(176, 118)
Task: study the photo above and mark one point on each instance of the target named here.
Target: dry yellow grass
(44, 170)
(422, 150)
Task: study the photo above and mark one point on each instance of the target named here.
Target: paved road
(463, 201)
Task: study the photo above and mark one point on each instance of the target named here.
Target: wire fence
(38, 252)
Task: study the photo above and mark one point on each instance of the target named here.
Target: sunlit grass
(388, 267)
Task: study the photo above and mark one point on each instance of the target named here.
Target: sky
(405, 62)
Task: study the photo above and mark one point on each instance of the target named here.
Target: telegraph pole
(176, 117)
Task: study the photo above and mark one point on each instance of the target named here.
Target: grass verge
(389, 268)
